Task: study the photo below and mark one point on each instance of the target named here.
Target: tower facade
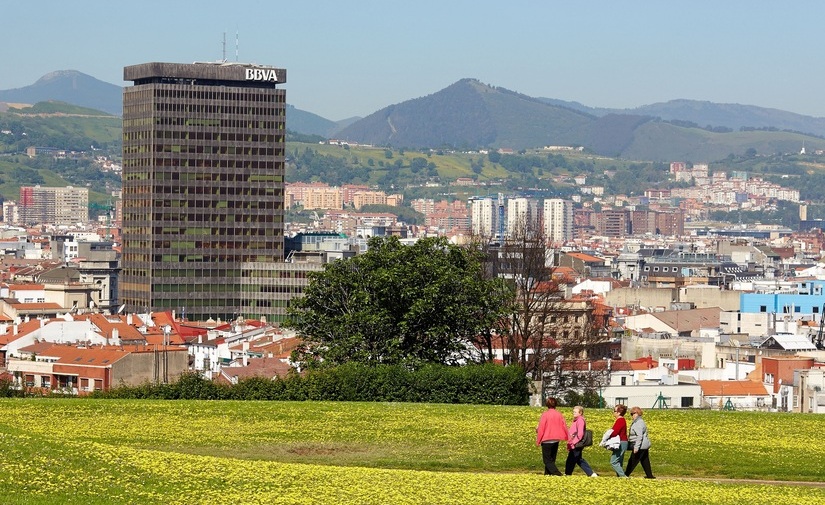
(484, 217)
(203, 188)
(558, 220)
(522, 216)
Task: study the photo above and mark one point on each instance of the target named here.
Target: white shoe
(594, 474)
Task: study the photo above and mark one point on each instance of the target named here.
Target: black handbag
(586, 440)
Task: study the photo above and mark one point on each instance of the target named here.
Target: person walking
(551, 430)
(639, 443)
(619, 430)
(574, 435)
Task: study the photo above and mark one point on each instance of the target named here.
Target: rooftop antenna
(224, 48)
(236, 44)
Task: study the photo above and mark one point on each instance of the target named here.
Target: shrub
(477, 384)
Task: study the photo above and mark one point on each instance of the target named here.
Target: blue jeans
(617, 459)
(574, 457)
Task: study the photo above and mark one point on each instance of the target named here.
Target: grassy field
(108, 451)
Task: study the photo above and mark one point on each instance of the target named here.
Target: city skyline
(353, 61)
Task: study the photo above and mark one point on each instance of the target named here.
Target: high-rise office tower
(203, 187)
(558, 220)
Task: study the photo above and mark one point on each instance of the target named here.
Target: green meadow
(127, 451)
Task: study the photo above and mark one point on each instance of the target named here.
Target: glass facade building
(203, 189)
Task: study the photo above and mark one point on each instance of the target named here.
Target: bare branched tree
(545, 327)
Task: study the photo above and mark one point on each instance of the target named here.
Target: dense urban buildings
(59, 206)
(203, 188)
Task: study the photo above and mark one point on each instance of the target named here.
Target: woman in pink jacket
(574, 454)
(551, 430)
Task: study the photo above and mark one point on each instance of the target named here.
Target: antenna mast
(224, 48)
(236, 45)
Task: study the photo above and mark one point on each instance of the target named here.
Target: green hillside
(410, 172)
(521, 121)
(59, 125)
(661, 141)
(65, 127)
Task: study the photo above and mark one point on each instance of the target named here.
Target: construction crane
(501, 217)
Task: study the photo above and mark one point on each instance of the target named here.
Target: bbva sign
(261, 74)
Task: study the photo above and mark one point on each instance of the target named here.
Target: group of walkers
(553, 429)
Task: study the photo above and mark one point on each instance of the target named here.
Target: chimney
(129, 319)
(115, 334)
(200, 338)
(246, 353)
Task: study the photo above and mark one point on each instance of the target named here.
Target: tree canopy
(398, 304)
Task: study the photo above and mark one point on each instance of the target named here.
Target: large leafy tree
(413, 304)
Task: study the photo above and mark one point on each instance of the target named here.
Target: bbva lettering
(261, 74)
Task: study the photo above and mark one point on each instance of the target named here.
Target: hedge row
(477, 384)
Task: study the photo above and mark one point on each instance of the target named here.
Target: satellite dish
(121, 308)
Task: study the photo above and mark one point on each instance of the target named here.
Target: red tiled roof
(91, 356)
(585, 257)
(597, 365)
(26, 287)
(106, 325)
(22, 329)
(36, 306)
(733, 388)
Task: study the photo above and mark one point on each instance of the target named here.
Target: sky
(346, 59)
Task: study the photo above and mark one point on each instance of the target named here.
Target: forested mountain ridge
(471, 115)
(710, 115)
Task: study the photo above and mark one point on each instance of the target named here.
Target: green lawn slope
(113, 451)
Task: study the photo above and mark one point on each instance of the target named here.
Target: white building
(522, 213)
(558, 219)
(484, 216)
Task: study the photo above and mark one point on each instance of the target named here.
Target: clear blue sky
(353, 58)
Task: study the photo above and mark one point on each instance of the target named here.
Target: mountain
(472, 115)
(733, 116)
(72, 87)
(704, 114)
(469, 114)
(305, 122)
(77, 88)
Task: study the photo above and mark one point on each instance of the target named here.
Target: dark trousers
(574, 457)
(549, 450)
(643, 457)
